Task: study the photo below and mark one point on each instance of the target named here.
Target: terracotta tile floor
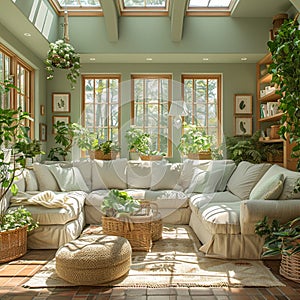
(12, 276)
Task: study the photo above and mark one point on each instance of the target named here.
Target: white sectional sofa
(220, 201)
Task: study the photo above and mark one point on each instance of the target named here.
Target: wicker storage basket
(136, 231)
(290, 267)
(151, 157)
(200, 155)
(98, 154)
(13, 244)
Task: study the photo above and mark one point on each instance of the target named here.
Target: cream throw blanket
(48, 199)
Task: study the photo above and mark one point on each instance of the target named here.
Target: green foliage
(17, 217)
(285, 70)
(249, 149)
(138, 140)
(108, 146)
(30, 149)
(194, 140)
(63, 56)
(119, 203)
(279, 239)
(65, 136)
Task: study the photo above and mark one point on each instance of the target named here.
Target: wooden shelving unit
(262, 80)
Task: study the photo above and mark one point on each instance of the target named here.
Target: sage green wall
(237, 78)
(13, 44)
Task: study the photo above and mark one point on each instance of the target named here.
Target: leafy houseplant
(119, 204)
(65, 136)
(62, 55)
(285, 68)
(249, 149)
(16, 222)
(279, 238)
(106, 150)
(282, 239)
(195, 140)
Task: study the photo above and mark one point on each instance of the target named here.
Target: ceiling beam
(177, 17)
(111, 19)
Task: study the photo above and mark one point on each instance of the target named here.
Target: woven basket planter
(290, 267)
(151, 157)
(200, 155)
(98, 154)
(13, 244)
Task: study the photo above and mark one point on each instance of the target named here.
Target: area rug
(174, 261)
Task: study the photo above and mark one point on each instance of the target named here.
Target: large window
(202, 94)
(101, 105)
(150, 106)
(21, 75)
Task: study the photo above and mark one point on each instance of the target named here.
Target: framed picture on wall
(55, 119)
(61, 102)
(243, 125)
(43, 132)
(243, 104)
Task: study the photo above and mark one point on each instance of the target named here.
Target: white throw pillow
(109, 174)
(245, 177)
(165, 176)
(68, 179)
(45, 178)
(139, 174)
(30, 180)
(205, 181)
(227, 167)
(85, 168)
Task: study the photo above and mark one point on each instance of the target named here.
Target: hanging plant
(62, 55)
(285, 70)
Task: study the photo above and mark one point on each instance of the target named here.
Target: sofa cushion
(31, 182)
(227, 167)
(167, 198)
(204, 181)
(68, 179)
(165, 176)
(96, 198)
(139, 174)
(60, 215)
(46, 180)
(197, 201)
(245, 177)
(290, 178)
(269, 188)
(85, 168)
(110, 174)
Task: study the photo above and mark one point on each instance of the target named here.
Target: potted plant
(106, 150)
(65, 136)
(62, 55)
(30, 149)
(138, 142)
(15, 223)
(195, 143)
(118, 203)
(284, 69)
(282, 239)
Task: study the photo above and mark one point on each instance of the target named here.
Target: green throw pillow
(269, 189)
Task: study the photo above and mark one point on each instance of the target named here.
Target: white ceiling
(17, 24)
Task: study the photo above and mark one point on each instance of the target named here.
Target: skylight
(144, 3)
(79, 7)
(212, 7)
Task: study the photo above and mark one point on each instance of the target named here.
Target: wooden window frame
(218, 77)
(102, 76)
(169, 121)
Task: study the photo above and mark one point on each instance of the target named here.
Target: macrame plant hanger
(66, 28)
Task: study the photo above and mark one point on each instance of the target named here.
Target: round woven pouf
(93, 259)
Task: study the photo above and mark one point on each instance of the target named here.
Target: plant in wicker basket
(15, 222)
(119, 204)
(282, 239)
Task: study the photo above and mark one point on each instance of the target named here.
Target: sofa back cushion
(46, 180)
(85, 168)
(109, 174)
(68, 179)
(139, 174)
(245, 177)
(227, 167)
(31, 182)
(290, 178)
(165, 176)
